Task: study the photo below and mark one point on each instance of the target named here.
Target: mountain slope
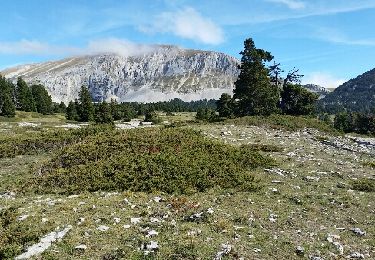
(321, 91)
(355, 95)
(166, 73)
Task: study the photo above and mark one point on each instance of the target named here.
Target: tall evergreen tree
(103, 114)
(71, 112)
(115, 111)
(86, 110)
(7, 107)
(225, 106)
(253, 89)
(295, 100)
(24, 98)
(43, 99)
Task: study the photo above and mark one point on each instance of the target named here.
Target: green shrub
(286, 122)
(172, 160)
(367, 185)
(15, 235)
(36, 142)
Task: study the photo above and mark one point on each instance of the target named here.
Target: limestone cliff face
(167, 72)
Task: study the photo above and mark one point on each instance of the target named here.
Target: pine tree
(103, 114)
(62, 107)
(297, 101)
(115, 111)
(86, 110)
(225, 106)
(71, 112)
(24, 98)
(7, 107)
(43, 99)
(253, 89)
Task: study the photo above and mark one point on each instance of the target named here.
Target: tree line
(22, 97)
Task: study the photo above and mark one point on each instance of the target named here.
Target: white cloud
(108, 45)
(34, 48)
(323, 79)
(292, 4)
(118, 46)
(189, 24)
(334, 36)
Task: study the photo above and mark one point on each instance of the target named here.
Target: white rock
(22, 217)
(152, 233)
(102, 228)
(44, 243)
(153, 245)
(81, 247)
(135, 220)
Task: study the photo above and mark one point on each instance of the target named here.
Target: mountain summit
(167, 72)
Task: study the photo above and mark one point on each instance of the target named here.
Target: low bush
(363, 184)
(171, 160)
(15, 236)
(35, 142)
(285, 122)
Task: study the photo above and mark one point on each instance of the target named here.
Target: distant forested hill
(356, 95)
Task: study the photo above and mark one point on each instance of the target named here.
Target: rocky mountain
(166, 72)
(357, 94)
(321, 91)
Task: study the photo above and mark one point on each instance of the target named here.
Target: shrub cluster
(286, 122)
(36, 142)
(171, 160)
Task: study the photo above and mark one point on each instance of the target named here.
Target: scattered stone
(196, 216)
(22, 217)
(358, 232)
(339, 247)
(300, 251)
(102, 228)
(210, 211)
(44, 243)
(225, 250)
(356, 255)
(157, 199)
(316, 258)
(273, 218)
(310, 178)
(126, 226)
(7, 195)
(117, 220)
(155, 220)
(28, 124)
(152, 233)
(135, 220)
(81, 247)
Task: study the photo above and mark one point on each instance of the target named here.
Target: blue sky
(330, 41)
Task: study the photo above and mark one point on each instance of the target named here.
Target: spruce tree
(86, 111)
(295, 100)
(253, 89)
(7, 107)
(71, 112)
(24, 98)
(43, 99)
(103, 114)
(225, 106)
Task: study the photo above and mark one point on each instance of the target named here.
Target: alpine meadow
(187, 130)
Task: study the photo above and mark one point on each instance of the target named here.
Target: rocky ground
(306, 208)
